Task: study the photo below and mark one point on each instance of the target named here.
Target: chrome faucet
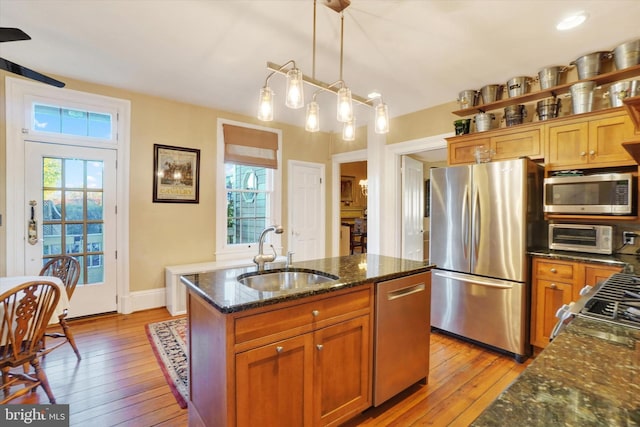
(261, 258)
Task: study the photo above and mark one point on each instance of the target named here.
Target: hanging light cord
(313, 64)
(341, 42)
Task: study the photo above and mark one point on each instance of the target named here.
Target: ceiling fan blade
(12, 34)
(28, 73)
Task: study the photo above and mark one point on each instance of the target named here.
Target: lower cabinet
(314, 379)
(305, 362)
(557, 282)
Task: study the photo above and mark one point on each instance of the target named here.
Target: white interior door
(73, 193)
(306, 210)
(412, 209)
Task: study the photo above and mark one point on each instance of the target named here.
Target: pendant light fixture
(294, 97)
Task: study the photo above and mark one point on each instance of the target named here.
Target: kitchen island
(587, 376)
(292, 357)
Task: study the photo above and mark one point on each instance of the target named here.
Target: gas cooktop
(616, 300)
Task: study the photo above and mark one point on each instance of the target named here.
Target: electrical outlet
(628, 238)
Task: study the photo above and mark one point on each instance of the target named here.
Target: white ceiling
(417, 53)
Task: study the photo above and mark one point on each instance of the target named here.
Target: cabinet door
(342, 384)
(605, 138)
(594, 274)
(463, 151)
(548, 297)
(274, 384)
(518, 144)
(567, 144)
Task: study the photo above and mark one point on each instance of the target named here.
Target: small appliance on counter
(595, 239)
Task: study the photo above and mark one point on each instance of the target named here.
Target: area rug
(169, 342)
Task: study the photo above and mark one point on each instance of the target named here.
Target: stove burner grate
(611, 303)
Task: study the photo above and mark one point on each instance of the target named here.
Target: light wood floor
(119, 382)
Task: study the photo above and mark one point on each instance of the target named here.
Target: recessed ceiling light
(572, 21)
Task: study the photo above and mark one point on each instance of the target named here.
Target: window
(67, 121)
(250, 198)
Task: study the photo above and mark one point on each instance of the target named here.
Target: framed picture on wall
(427, 194)
(176, 174)
(346, 188)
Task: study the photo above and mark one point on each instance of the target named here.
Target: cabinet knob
(279, 349)
(315, 313)
(553, 270)
(592, 153)
(582, 153)
(553, 286)
(319, 346)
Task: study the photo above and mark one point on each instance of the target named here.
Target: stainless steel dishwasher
(402, 332)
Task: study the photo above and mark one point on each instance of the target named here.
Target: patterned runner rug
(169, 342)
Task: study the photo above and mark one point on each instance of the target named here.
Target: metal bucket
(548, 108)
(582, 97)
(517, 86)
(483, 121)
(468, 99)
(491, 93)
(514, 114)
(627, 54)
(590, 65)
(621, 90)
(550, 76)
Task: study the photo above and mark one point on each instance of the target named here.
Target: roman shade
(251, 147)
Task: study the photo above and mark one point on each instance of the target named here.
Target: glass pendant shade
(312, 122)
(345, 106)
(265, 106)
(295, 93)
(382, 118)
(349, 130)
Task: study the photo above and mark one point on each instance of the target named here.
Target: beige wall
(164, 234)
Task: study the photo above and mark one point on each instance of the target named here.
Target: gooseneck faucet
(261, 258)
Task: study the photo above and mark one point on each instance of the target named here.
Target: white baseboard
(143, 300)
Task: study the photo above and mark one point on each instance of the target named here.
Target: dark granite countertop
(630, 262)
(222, 290)
(589, 375)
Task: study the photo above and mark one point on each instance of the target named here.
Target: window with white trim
(249, 158)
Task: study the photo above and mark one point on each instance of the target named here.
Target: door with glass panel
(71, 192)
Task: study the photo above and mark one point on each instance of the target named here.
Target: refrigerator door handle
(476, 221)
(474, 280)
(464, 222)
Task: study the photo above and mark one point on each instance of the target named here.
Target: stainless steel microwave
(604, 194)
(596, 239)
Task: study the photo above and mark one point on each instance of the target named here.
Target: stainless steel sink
(284, 280)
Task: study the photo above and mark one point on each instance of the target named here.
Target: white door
(412, 209)
(306, 234)
(73, 191)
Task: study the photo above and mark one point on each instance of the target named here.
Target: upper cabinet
(589, 142)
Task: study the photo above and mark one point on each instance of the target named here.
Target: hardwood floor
(118, 381)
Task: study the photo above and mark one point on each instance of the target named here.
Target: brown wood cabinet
(525, 140)
(589, 142)
(305, 363)
(557, 282)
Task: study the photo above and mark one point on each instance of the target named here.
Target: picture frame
(176, 174)
(346, 188)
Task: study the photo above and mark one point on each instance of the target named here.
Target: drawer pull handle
(315, 313)
(319, 346)
(279, 349)
(553, 270)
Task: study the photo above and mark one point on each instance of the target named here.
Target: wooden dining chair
(67, 269)
(25, 312)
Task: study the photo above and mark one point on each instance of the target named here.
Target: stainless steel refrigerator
(484, 217)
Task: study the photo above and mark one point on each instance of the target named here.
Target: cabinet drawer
(555, 271)
(281, 323)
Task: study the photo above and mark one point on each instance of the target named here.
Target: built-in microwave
(596, 239)
(603, 194)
